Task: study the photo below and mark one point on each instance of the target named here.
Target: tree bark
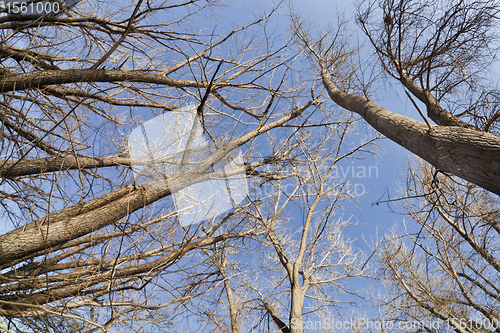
(81, 219)
(40, 79)
(74, 289)
(9, 169)
(76, 221)
(276, 318)
(296, 308)
(467, 153)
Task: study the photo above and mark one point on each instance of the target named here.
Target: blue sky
(390, 159)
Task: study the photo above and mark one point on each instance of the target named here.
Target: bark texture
(74, 222)
(467, 153)
(40, 79)
(9, 169)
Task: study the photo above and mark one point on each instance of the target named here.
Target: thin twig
(418, 109)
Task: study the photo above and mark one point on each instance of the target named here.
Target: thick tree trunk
(73, 222)
(72, 289)
(296, 308)
(467, 153)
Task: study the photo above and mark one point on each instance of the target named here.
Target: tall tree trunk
(296, 319)
(467, 153)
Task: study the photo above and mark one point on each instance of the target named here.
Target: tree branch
(467, 153)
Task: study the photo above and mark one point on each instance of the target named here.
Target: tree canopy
(116, 117)
(89, 246)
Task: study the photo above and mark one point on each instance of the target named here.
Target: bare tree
(292, 278)
(81, 240)
(439, 53)
(442, 276)
(441, 273)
